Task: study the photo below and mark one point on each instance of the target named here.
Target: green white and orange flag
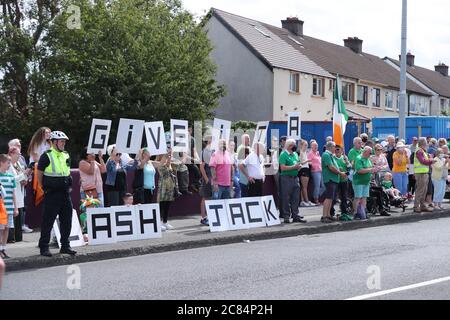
(340, 117)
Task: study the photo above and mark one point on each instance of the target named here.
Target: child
(389, 188)
(128, 199)
(9, 199)
(87, 203)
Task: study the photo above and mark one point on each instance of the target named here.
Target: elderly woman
(439, 177)
(316, 170)
(422, 163)
(116, 178)
(400, 169)
(20, 174)
(380, 162)
(361, 181)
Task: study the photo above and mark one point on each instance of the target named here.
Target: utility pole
(403, 100)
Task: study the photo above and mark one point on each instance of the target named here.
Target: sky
(378, 23)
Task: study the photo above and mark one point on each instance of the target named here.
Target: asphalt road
(328, 266)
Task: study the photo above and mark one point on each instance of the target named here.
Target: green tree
(129, 59)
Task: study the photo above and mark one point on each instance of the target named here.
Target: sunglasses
(378, 149)
(118, 154)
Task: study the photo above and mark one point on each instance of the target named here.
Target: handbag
(91, 193)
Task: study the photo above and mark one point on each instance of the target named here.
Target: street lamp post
(403, 100)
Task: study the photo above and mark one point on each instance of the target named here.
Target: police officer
(54, 176)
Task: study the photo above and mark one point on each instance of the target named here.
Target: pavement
(189, 234)
(403, 261)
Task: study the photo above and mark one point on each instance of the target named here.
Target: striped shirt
(9, 184)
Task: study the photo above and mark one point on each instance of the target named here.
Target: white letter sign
(294, 126)
(99, 136)
(179, 135)
(129, 135)
(221, 130)
(156, 139)
(261, 133)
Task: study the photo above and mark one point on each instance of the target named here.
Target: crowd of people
(303, 175)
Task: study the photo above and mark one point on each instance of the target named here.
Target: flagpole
(402, 109)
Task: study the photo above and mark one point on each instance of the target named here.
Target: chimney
(354, 44)
(294, 25)
(442, 68)
(409, 59)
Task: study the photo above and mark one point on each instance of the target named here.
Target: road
(328, 266)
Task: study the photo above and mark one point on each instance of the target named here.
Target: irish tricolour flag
(340, 116)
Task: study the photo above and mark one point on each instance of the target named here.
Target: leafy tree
(142, 59)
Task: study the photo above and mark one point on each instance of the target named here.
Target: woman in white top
(304, 174)
(380, 162)
(21, 176)
(40, 142)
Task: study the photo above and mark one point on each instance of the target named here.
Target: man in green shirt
(361, 180)
(290, 192)
(331, 177)
(344, 166)
(356, 151)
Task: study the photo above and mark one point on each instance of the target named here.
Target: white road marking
(410, 287)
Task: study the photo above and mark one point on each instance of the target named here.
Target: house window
(348, 90)
(398, 102)
(362, 95)
(331, 88)
(424, 106)
(294, 84)
(318, 87)
(413, 104)
(376, 97)
(389, 100)
(443, 104)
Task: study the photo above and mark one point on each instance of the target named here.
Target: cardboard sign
(271, 215)
(217, 216)
(76, 235)
(117, 224)
(99, 136)
(179, 138)
(294, 126)
(156, 139)
(261, 133)
(221, 130)
(129, 135)
(239, 214)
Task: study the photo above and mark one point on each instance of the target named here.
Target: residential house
(270, 71)
(437, 81)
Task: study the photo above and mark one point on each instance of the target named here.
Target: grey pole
(403, 100)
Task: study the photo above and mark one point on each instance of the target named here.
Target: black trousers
(411, 184)
(56, 203)
(255, 189)
(193, 168)
(15, 234)
(143, 196)
(342, 193)
(164, 207)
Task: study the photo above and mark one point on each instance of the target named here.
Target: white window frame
(376, 97)
(365, 90)
(349, 92)
(389, 94)
(294, 82)
(318, 87)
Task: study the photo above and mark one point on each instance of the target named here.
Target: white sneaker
(303, 204)
(163, 227)
(25, 229)
(168, 226)
(311, 204)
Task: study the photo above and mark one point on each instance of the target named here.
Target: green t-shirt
(287, 159)
(327, 174)
(362, 179)
(342, 166)
(386, 184)
(353, 154)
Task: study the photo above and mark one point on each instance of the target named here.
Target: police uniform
(57, 184)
